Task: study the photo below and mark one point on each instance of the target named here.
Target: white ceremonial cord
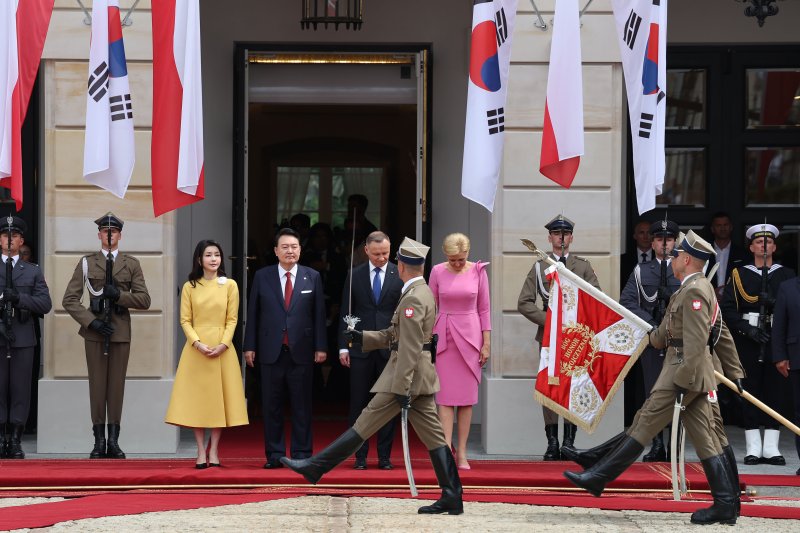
(86, 280)
(544, 292)
(637, 274)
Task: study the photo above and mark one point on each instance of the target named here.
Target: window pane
(686, 99)
(297, 192)
(787, 250)
(685, 177)
(773, 98)
(772, 176)
(356, 180)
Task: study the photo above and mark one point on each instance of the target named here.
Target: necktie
(287, 299)
(644, 257)
(376, 285)
(562, 259)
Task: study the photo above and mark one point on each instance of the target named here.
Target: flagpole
(588, 288)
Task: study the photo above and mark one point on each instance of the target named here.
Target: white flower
(222, 280)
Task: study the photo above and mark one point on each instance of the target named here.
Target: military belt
(675, 343)
(425, 347)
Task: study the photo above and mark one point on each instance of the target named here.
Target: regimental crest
(620, 338)
(585, 401)
(569, 297)
(579, 348)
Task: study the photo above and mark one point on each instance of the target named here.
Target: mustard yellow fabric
(208, 392)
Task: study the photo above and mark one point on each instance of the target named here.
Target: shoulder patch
(409, 312)
(697, 305)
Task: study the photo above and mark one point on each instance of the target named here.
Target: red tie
(287, 299)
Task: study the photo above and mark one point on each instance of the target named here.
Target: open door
(422, 229)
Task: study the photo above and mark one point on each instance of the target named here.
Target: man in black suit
(376, 291)
(786, 342)
(729, 255)
(643, 251)
(286, 328)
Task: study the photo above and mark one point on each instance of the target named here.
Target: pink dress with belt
(463, 313)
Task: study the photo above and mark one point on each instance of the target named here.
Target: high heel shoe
(214, 464)
(201, 466)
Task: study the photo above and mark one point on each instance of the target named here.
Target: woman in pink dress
(463, 323)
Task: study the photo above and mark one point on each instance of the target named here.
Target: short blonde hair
(455, 243)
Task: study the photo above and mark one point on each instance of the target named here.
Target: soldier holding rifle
(747, 305)
(25, 293)
(106, 328)
(646, 293)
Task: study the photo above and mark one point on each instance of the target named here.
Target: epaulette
(581, 258)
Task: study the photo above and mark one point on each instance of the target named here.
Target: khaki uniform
(107, 373)
(526, 303)
(688, 365)
(409, 371)
(726, 362)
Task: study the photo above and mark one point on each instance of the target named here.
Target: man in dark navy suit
(376, 291)
(286, 329)
(786, 342)
(729, 254)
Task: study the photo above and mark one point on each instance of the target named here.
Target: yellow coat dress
(208, 392)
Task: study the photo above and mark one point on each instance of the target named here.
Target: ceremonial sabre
(673, 448)
(349, 319)
(406, 451)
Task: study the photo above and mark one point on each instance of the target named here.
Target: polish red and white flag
(177, 142)
(562, 136)
(23, 29)
(589, 345)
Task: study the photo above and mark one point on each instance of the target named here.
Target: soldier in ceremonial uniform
(28, 297)
(741, 305)
(106, 372)
(645, 295)
(560, 237)
(686, 381)
(409, 379)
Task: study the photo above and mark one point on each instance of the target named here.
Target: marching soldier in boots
(747, 305)
(646, 293)
(409, 381)
(24, 296)
(686, 382)
(106, 328)
(560, 237)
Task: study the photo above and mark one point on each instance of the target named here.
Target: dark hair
(377, 236)
(286, 231)
(359, 199)
(197, 260)
(720, 214)
(298, 217)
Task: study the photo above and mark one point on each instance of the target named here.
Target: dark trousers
(794, 378)
(765, 383)
(15, 385)
(106, 380)
(280, 380)
(364, 372)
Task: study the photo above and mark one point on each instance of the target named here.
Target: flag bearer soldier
(560, 237)
(646, 294)
(686, 382)
(106, 371)
(741, 306)
(408, 381)
(27, 296)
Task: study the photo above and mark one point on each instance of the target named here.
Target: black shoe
(99, 450)
(201, 466)
(113, 451)
(14, 450)
(657, 453)
(569, 437)
(360, 464)
(552, 453)
(588, 458)
(316, 466)
(608, 468)
(4, 437)
(214, 465)
(272, 464)
(798, 472)
(385, 464)
(777, 460)
(723, 511)
(447, 475)
(751, 460)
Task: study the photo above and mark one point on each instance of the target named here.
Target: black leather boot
(724, 509)
(15, 442)
(608, 468)
(315, 466)
(4, 438)
(733, 471)
(588, 458)
(99, 450)
(552, 453)
(657, 453)
(569, 437)
(447, 475)
(113, 451)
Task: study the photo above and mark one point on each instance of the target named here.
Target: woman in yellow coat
(208, 390)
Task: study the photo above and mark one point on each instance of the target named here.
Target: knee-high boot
(733, 470)
(608, 468)
(588, 458)
(315, 466)
(724, 508)
(657, 451)
(447, 475)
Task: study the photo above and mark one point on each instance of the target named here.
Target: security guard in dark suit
(643, 294)
(106, 372)
(28, 296)
(408, 381)
(560, 237)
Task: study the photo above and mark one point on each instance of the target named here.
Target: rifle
(661, 307)
(8, 308)
(108, 308)
(762, 307)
